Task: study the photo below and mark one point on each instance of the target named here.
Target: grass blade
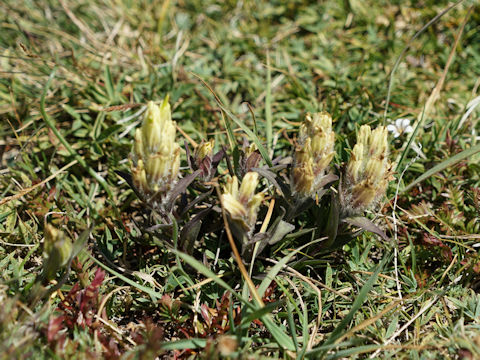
(64, 142)
(360, 299)
(280, 337)
(268, 105)
(183, 344)
(239, 123)
(443, 165)
(210, 274)
(149, 291)
(278, 266)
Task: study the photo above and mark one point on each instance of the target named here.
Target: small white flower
(401, 126)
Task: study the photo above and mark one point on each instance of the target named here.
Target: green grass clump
(300, 280)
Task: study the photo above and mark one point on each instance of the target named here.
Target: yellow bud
(157, 168)
(156, 155)
(314, 153)
(363, 136)
(322, 164)
(139, 177)
(152, 127)
(204, 149)
(241, 203)
(232, 186)
(379, 142)
(56, 251)
(249, 184)
(234, 207)
(253, 206)
(375, 169)
(138, 145)
(303, 178)
(368, 170)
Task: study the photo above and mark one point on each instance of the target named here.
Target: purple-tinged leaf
(365, 224)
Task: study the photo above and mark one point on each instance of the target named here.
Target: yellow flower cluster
(313, 154)
(156, 155)
(57, 250)
(203, 150)
(241, 202)
(368, 170)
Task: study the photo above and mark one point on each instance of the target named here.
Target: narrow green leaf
(407, 146)
(291, 325)
(184, 344)
(210, 274)
(280, 337)
(110, 87)
(278, 266)
(108, 132)
(360, 299)
(79, 244)
(250, 133)
(268, 105)
(259, 313)
(149, 291)
(443, 165)
(392, 327)
(64, 142)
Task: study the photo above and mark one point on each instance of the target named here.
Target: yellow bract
(368, 170)
(204, 149)
(156, 155)
(241, 202)
(313, 154)
(57, 250)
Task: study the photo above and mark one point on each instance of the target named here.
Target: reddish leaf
(54, 326)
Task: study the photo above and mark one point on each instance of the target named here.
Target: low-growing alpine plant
(299, 186)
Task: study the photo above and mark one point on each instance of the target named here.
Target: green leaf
(79, 244)
(184, 344)
(443, 165)
(280, 337)
(259, 313)
(149, 291)
(268, 105)
(109, 84)
(108, 131)
(250, 133)
(365, 224)
(210, 274)
(392, 327)
(360, 299)
(278, 266)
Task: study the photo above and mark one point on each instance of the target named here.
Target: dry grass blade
(31, 188)
(237, 256)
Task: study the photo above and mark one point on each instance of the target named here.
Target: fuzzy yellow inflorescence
(156, 155)
(203, 150)
(241, 203)
(57, 250)
(313, 153)
(368, 170)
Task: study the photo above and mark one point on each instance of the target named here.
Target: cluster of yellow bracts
(156, 160)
